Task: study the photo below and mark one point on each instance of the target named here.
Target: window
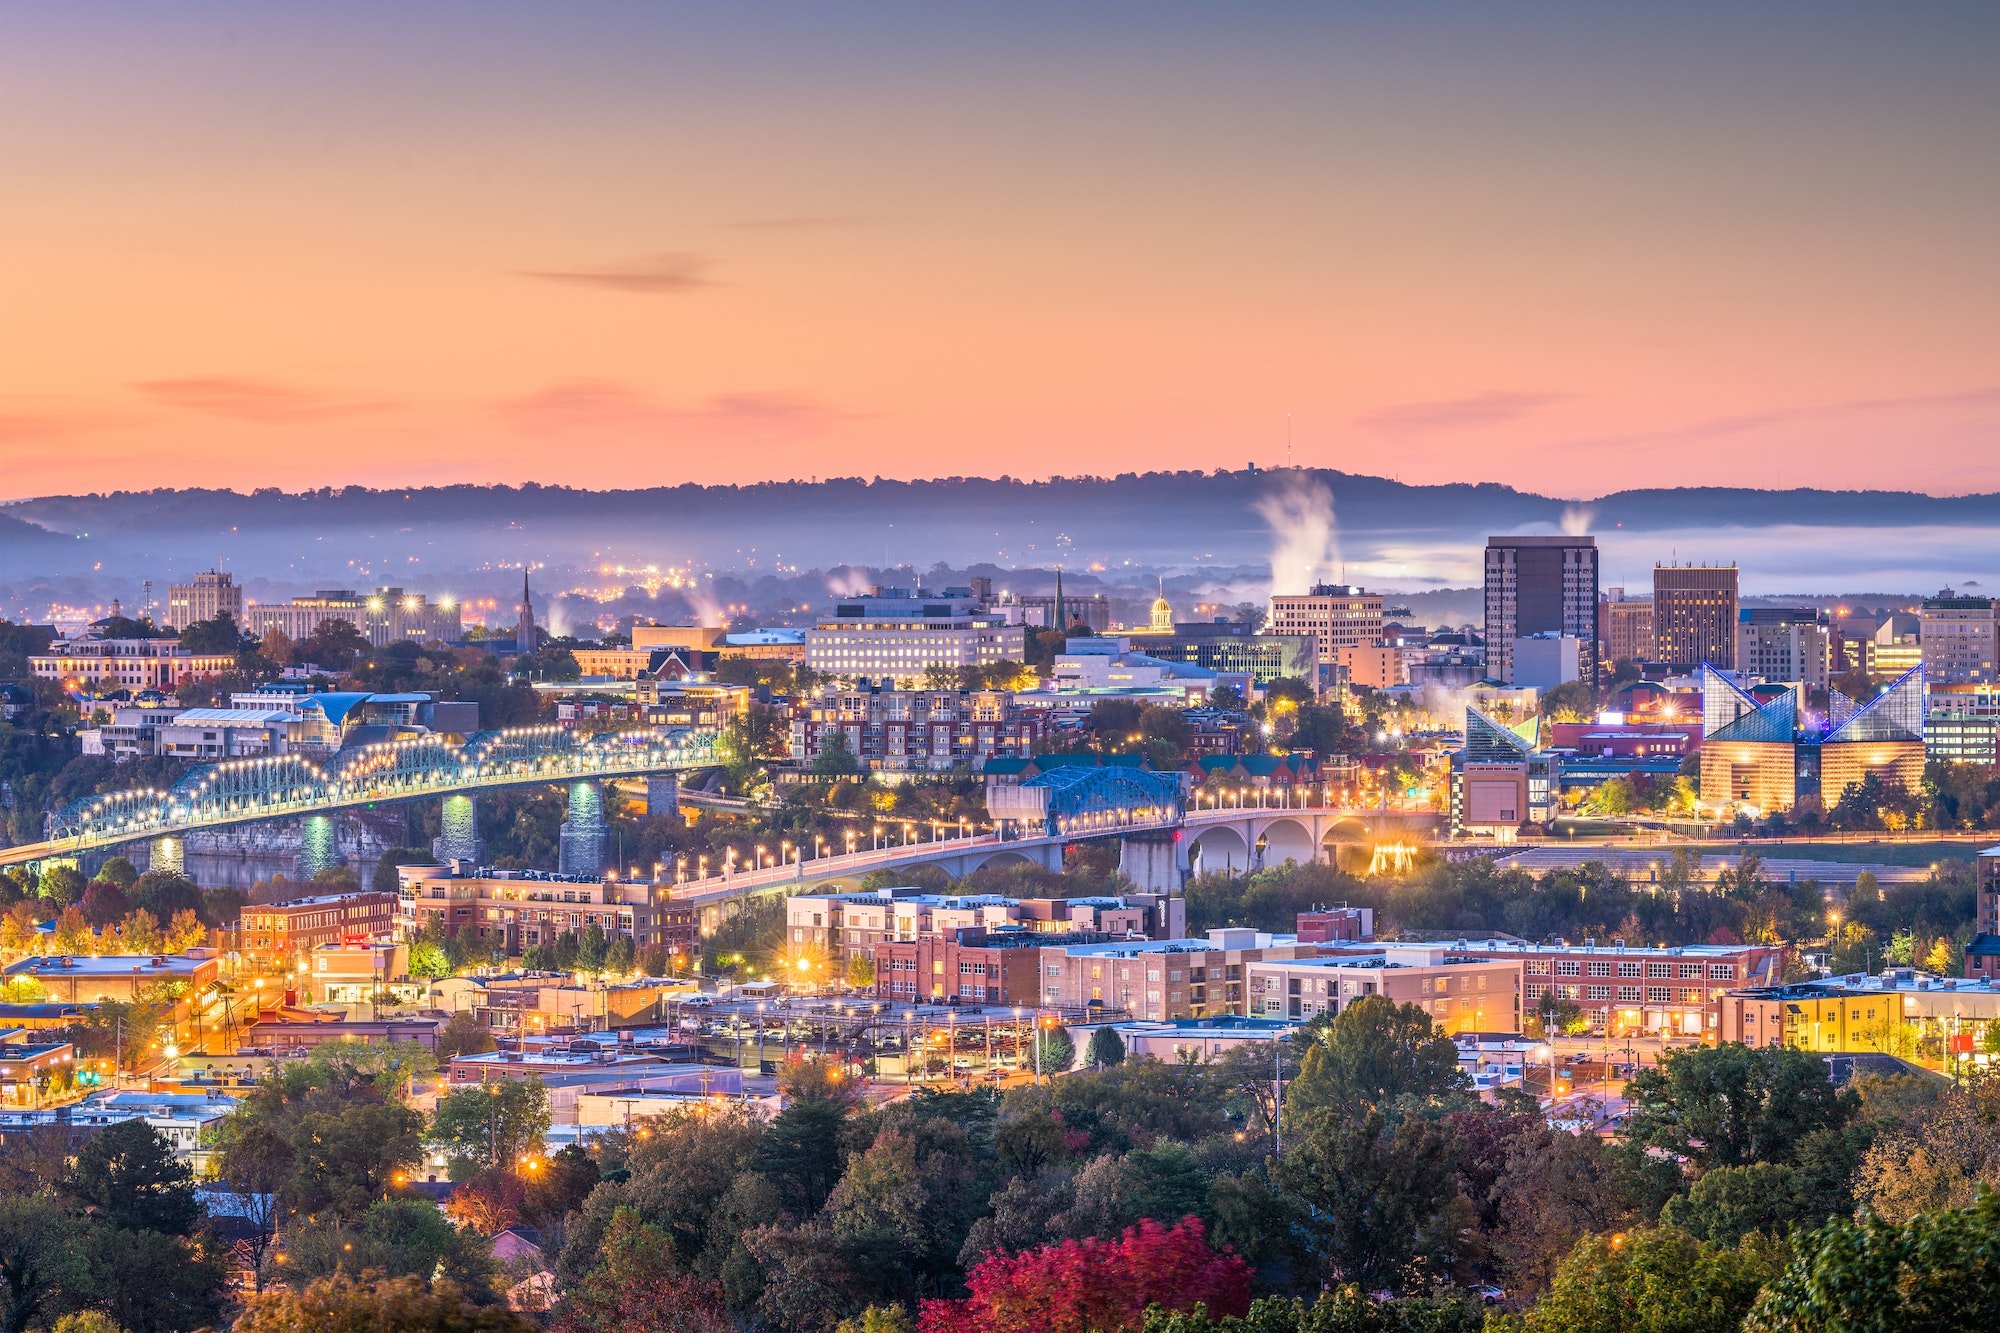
(1628, 969)
(1598, 969)
(1722, 971)
(1659, 995)
(1598, 992)
(1690, 971)
(1569, 967)
(1659, 969)
(1628, 992)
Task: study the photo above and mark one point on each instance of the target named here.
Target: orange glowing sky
(1574, 247)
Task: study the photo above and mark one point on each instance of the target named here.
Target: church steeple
(1061, 624)
(524, 627)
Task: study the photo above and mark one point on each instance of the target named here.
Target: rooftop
(108, 965)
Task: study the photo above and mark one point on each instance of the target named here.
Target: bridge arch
(1219, 850)
(1286, 839)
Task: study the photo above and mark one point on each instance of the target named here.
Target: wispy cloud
(1467, 413)
(238, 399)
(21, 426)
(1744, 423)
(806, 222)
(598, 404)
(674, 274)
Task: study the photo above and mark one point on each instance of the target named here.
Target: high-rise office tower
(1788, 644)
(1694, 614)
(1540, 585)
(1960, 638)
(1627, 627)
(211, 593)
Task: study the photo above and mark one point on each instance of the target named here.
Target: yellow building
(1938, 1021)
(1900, 763)
(1760, 775)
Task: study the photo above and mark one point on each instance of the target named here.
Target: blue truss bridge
(242, 791)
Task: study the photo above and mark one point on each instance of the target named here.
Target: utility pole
(1277, 1098)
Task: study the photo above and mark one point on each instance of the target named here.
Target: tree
(151, 1280)
(72, 933)
(428, 959)
(1055, 1049)
(334, 644)
(1932, 1274)
(1568, 702)
(1347, 1310)
(104, 904)
(340, 1304)
(494, 1123)
(1377, 1199)
(212, 637)
(861, 972)
(635, 1289)
(128, 1174)
(139, 932)
(592, 949)
(1083, 1285)
(164, 892)
(1555, 1013)
(1943, 1157)
(1106, 1048)
(490, 1202)
(1652, 1280)
(835, 758)
(396, 1237)
(1376, 1053)
(186, 931)
(41, 1271)
(119, 871)
(463, 1034)
(1729, 1202)
(62, 885)
(1732, 1105)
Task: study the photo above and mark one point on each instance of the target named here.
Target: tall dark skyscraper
(1540, 585)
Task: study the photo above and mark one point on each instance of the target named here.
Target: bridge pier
(582, 845)
(316, 846)
(663, 797)
(168, 853)
(1154, 862)
(458, 838)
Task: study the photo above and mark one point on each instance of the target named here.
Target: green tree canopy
(1376, 1054)
(1733, 1105)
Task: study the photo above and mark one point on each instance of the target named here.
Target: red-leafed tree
(1084, 1286)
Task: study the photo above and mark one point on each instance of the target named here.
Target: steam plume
(1305, 545)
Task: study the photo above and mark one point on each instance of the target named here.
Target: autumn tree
(635, 1289)
(1081, 1286)
(341, 1304)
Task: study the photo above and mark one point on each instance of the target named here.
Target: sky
(1570, 247)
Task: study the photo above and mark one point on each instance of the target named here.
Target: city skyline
(1573, 250)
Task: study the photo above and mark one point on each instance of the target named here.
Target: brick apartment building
(1627, 988)
(1461, 993)
(1162, 979)
(517, 908)
(278, 931)
(972, 966)
(844, 926)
